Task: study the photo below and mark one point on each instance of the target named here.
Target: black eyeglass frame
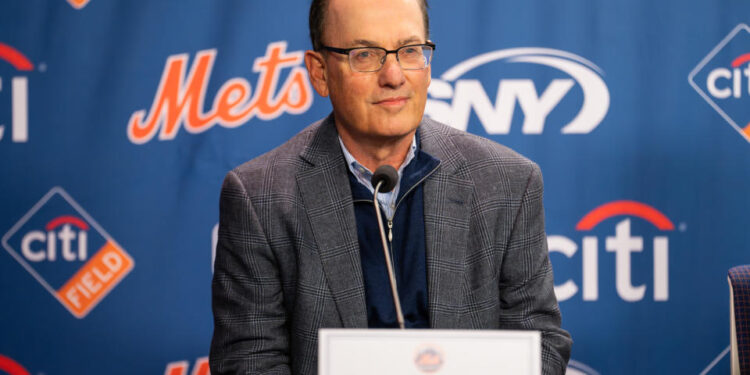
(347, 51)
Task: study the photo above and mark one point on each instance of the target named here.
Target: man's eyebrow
(410, 40)
(365, 42)
(402, 42)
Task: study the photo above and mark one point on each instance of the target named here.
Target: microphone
(387, 175)
(384, 180)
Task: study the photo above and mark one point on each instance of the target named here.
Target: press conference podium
(428, 351)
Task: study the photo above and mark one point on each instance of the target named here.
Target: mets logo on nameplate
(68, 252)
(722, 78)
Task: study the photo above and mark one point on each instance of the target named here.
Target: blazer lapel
(327, 198)
(446, 216)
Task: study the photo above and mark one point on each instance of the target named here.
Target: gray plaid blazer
(287, 261)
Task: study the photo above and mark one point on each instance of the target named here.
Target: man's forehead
(359, 4)
(373, 22)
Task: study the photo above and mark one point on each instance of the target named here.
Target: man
(298, 244)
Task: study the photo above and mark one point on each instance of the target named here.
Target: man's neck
(372, 153)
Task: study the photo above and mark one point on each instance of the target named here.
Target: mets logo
(576, 98)
(67, 252)
(181, 94)
(11, 367)
(428, 359)
(19, 89)
(722, 78)
(182, 367)
(626, 248)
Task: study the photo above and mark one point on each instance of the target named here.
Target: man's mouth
(395, 101)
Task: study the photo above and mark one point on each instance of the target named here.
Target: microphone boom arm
(388, 262)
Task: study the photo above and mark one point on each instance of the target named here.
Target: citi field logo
(19, 94)
(453, 98)
(67, 252)
(182, 367)
(722, 78)
(627, 249)
(11, 367)
(180, 98)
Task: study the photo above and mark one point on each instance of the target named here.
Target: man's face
(380, 105)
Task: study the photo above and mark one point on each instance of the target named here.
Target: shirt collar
(362, 173)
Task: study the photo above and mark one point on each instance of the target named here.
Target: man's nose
(391, 74)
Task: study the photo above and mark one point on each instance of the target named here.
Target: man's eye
(410, 51)
(362, 55)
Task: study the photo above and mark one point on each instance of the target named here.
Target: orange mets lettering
(181, 367)
(180, 100)
(78, 4)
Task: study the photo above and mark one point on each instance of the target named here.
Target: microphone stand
(388, 262)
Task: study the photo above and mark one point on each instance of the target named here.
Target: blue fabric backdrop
(119, 119)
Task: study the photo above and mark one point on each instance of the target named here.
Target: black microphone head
(387, 175)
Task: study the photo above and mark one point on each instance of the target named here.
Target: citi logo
(11, 367)
(67, 252)
(724, 83)
(722, 79)
(19, 90)
(453, 99)
(624, 246)
(66, 235)
(180, 97)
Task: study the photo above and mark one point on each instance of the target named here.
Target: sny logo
(623, 244)
(67, 252)
(180, 99)
(722, 78)
(19, 88)
(468, 94)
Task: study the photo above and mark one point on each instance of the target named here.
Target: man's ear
(316, 69)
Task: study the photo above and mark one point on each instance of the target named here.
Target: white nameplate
(428, 351)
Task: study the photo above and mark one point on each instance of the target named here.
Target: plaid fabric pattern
(739, 277)
(287, 260)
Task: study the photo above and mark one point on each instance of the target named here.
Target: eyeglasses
(371, 59)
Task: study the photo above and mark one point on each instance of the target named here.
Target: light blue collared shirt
(364, 176)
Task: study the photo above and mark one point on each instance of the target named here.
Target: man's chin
(395, 133)
(400, 124)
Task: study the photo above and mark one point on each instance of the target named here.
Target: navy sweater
(407, 248)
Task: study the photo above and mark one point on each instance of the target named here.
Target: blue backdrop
(119, 119)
